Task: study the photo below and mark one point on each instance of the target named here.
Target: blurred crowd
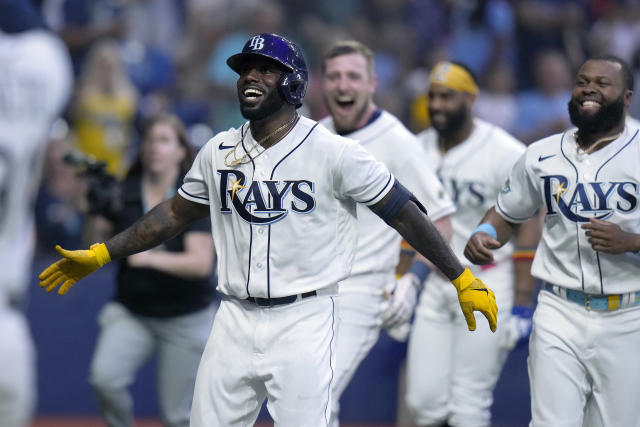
(136, 58)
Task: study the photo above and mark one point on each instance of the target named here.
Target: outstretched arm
(418, 230)
(161, 223)
(404, 213)
(158, 225)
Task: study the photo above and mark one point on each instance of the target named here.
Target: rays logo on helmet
(293, 83)
(249, 200)
(256, 43)
(588, 200)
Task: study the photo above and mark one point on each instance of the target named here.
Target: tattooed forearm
(420, 233)
(158, 225)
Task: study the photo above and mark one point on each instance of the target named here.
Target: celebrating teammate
(281, 192)
(473, 158)
(36, 84)
(349, 83)
(583, 364)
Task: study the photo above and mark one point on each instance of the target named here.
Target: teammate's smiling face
(257, 85)
(448, 109)
(348, 91)
(599, 96)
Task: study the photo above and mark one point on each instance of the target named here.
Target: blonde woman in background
(104, 107)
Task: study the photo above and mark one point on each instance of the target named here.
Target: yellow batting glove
(73, 266)
(473, 295)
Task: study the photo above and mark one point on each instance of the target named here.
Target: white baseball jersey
(473, 172)
(574, 187)
(392, 143)
(36, 84)
(284, 222)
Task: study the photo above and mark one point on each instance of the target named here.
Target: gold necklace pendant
(246, 157)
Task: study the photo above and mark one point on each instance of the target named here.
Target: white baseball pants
(584, 366)
(285, 354)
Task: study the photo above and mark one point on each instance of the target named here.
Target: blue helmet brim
(235, 61)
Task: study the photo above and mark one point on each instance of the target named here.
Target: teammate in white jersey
(349, 85)
(36, 84)
(473, 158)
(583, 352)
(281, 192)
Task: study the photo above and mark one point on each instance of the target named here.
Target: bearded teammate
(583, 352)
(473, 158)
(36, 83)
(349, 83)
(281, 193)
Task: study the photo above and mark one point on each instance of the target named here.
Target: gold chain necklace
(590, 149)
(246, 157)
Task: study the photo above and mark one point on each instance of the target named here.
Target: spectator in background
(496, 102)
(481, 33)
(104, 108)
(617, 31)
(634, 108)
(544, 25)
(61, 203)
(82, 23)
(542, 111)
(164, 297)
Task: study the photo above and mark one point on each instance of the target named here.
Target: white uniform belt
(595, 302)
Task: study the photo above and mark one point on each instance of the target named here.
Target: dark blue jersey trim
(616, 153)
(293, 149)
(576, 224)
(379, 192)
(333, 334)
(250, 225)
(596, 178)
(376, 114)
(193, 195)
(269, 232)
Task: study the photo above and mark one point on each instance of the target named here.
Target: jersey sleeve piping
(197, 199)
(382, 192)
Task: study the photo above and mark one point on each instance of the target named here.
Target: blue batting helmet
(293, 84)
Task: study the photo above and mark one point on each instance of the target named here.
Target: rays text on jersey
(582, 201)
(263, 202)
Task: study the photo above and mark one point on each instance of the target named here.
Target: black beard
(272, 103)
(454, 122)
(608, 116)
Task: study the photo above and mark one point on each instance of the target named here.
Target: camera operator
(164, 297)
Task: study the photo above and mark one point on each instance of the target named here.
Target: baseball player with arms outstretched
(349, 83)
(36, 85)
(473, 158)
(583, 351)
(281, 191)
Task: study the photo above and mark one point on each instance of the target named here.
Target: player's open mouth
(345, 102)
(252, 94)
(590, 104)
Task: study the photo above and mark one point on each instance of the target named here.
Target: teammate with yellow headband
(473, 158)
(454, 77)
